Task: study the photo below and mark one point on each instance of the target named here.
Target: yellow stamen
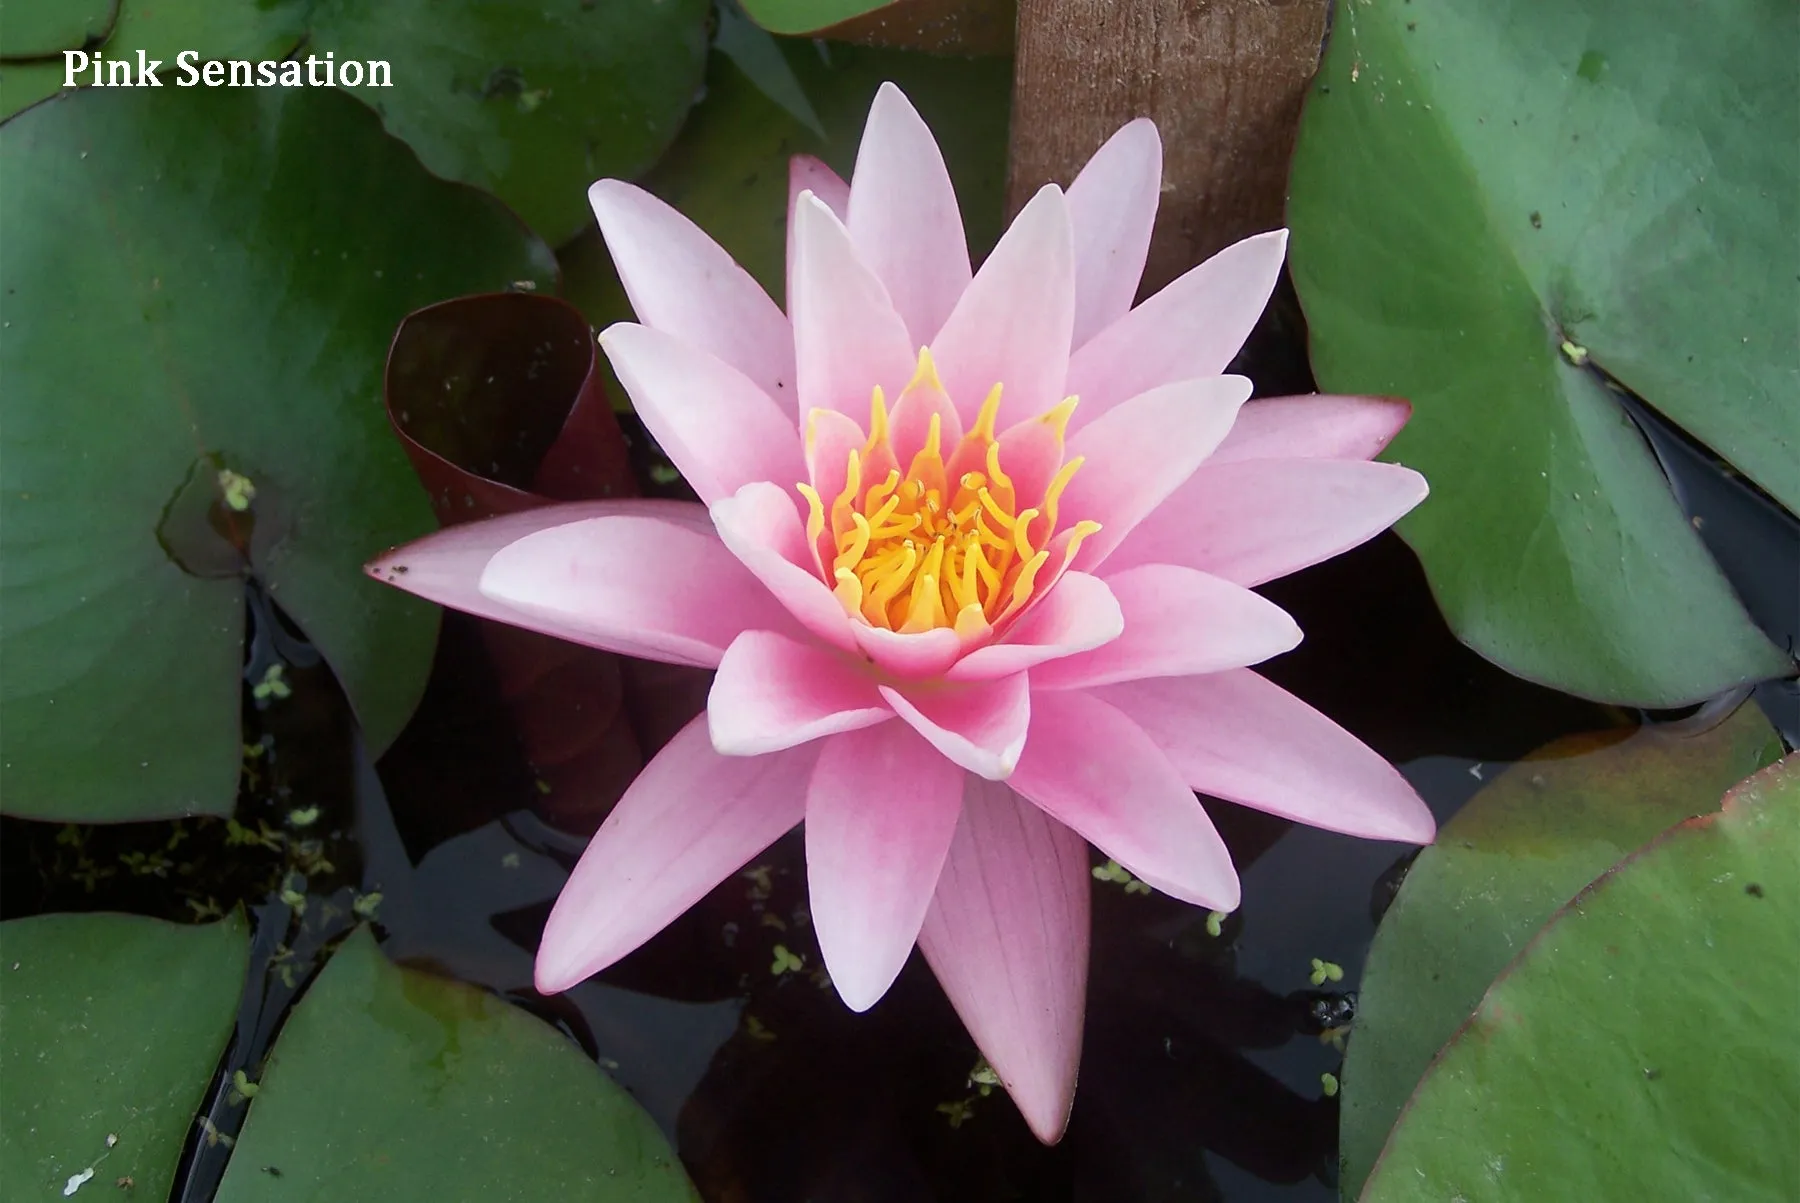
(1058, 418)
(1054, 490)
(943, 542)
(815, 513)
(855, 543)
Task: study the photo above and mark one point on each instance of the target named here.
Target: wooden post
(1223, 80)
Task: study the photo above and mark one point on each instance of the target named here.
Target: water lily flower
(973, 558)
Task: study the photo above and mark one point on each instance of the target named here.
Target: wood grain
(962, 27)
(1223, 80)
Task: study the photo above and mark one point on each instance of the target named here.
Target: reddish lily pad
(499, 405)
(1497, 205)
(1642, 1046)
(1526, 843)
(199, 285)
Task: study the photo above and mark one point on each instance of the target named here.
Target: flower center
(952, 540)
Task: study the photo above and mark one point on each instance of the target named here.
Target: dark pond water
(1201, 1076)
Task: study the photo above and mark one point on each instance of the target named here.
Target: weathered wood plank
(1223, 79)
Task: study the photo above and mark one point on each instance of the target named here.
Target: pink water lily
(974, 562)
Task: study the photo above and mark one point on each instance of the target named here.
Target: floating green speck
(239, 491)
(241, 1087)
(273, 684)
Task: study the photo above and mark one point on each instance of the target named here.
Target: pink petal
(912, 656)
(830, 437)
(879, 816)
(718, 428)
(1177, 621)
(1254, 520)
(773, 692)
(690, 820)
(909, 426)
(807, 174)
(1007, 936)
(1091, 767)
(1316, 426)
(641, 586)
(684, 284)
(1012, 325)
(980, 725)
(1112, 205)
(1031, 452)
(1076, 616)
(1191, 328)
(446, 567)
(903, 215)
(761, 527)
(1142, 450)
(847, 337)
(1235, 735)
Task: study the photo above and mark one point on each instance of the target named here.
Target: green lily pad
(161, 30)
(807, 16)
(728, 172)
(1490, 200)
(37, 28)
(1519, 850)
(387, 1083)
(212, 29)
(201, 285)
(1642, 1046)
(531, 102)
(24, 84)
(114, 1028)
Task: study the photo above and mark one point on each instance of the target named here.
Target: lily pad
(24, 84)
(1519, 850)
(498, 405)
(807, 16)
(38, 28)
(162, 29)
(391, 1084)
(1642, 1046)
(532, 102)
(114, 1028)
(1496, 205)
(200, 287)
(498, 402)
